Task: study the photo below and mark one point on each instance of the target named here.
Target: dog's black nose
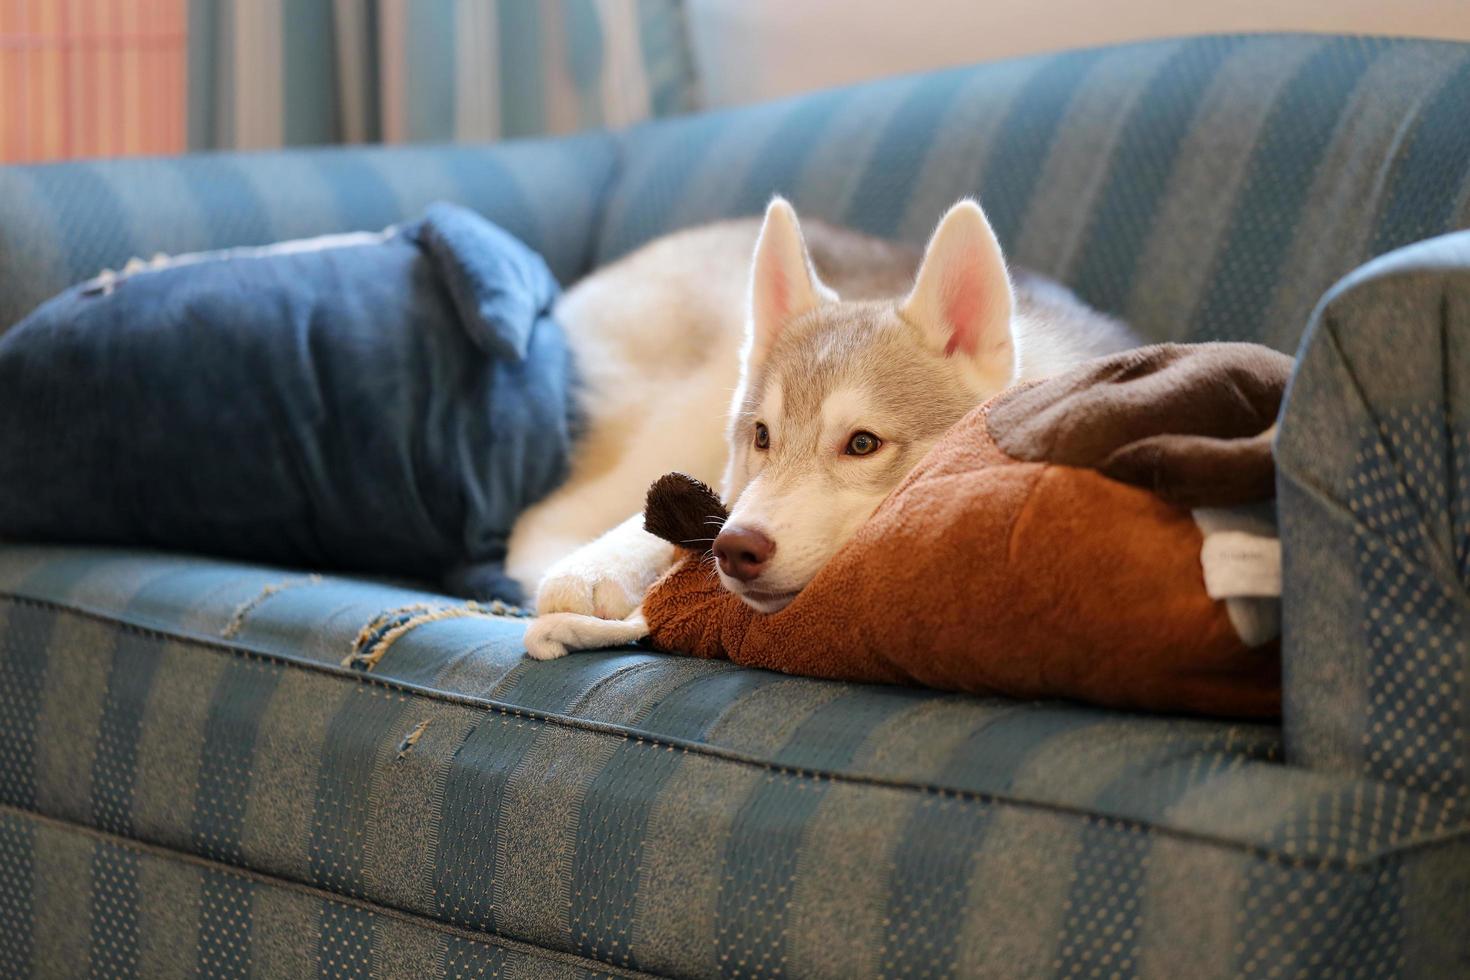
(743, 551)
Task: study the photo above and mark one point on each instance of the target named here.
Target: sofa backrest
(1203, 188)
(62, 223)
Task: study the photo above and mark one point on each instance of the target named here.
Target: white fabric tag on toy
(1241, 559)
(1238, 564)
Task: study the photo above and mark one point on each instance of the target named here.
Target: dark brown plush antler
(1189, 422)
(683, 511)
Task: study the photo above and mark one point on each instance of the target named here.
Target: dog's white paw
(558, 634)
(546, 638)
(609, 588)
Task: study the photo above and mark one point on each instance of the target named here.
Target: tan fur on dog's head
(839, 400)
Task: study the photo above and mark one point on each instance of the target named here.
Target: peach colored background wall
(91, 78)
(750, 50)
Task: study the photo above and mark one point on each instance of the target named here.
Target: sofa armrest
(65, 222)
(1374, 491)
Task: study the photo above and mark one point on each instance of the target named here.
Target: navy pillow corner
(499, 286)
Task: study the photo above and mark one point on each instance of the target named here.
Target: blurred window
(91, 78)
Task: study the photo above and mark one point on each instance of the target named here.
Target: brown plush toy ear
(683, 511)
(1191, 423)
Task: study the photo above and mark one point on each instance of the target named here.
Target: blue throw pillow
(384, 403)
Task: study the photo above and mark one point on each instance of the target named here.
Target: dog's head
(839, 400)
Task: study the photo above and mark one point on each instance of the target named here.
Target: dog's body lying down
(805, 376)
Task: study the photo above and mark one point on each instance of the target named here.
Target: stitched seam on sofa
(1443, 564)
(1438, 565)
(1303, 483)
(402, 688)
(375, 908)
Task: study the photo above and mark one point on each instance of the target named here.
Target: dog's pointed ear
(783, 284)
(962, 296)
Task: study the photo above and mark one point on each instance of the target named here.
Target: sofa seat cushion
(682, 816)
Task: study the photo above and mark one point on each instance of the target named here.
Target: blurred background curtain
(265, 73)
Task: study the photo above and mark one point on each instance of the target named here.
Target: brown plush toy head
(1044, 548)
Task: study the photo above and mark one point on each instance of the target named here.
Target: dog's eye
(762, 436)
(863, 444)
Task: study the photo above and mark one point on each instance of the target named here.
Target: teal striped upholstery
(203, 918)
(654, 813)
(1210, 188)
(212, 768)
(60, 224)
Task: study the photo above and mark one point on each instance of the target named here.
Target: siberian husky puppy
(804, 373)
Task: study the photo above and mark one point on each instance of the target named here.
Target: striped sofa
(192, 782)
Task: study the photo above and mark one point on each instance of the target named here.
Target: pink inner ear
(776, 291)
(963, 301)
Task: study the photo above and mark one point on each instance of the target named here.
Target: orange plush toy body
(1048, 546)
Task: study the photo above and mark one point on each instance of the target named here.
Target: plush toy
(1097, 536)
